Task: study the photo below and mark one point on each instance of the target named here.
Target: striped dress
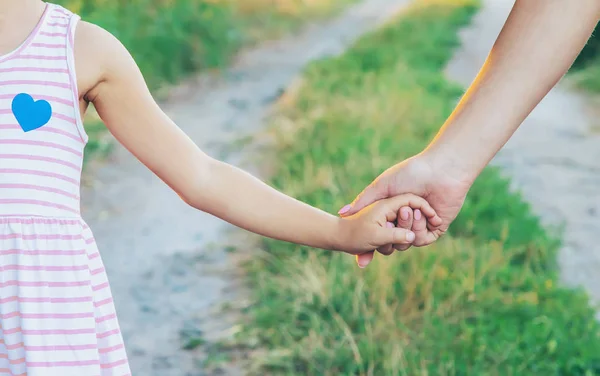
(57, 316)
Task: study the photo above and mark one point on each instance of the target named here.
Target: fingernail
(363, 261)
(390, 225)
(345, 209)
(417, 214)
(410, 236)
(404, 213)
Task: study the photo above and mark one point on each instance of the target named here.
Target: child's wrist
(338, 237)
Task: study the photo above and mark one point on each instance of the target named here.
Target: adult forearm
(535, 48)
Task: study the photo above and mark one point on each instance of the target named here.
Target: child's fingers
(405, 221)
(394, 204)
(387, 249)
(435, 221)
(364, 259)
(421, 231)
(419, 225)
(405, 217)
(394, 236)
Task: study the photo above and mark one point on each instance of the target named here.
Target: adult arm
(537, 45)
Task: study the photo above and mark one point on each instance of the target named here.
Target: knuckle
(401, 247)
(385, 252)
(405, 224)
(421, 242)
(400, 238)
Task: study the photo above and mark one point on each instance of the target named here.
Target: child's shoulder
(98, 54)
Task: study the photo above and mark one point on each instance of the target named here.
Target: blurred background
(495, 297)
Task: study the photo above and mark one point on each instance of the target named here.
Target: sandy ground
(553, 159)
(169, 269)
(168, 264)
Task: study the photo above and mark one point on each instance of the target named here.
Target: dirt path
(553, 159)
(167, 272)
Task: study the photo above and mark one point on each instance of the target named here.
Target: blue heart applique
(31, 114)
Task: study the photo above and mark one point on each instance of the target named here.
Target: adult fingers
(365, 259)
(405, 221)
(423, 236)
(392, 206)
(376, 191)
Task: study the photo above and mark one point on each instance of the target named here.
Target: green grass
(170, 39)
(261, 19)
(99, 145)
(588, 78)
(585, 71)
(484, 300)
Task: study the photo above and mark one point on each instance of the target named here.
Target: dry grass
(270, 18)
(173, 38)
(288, 8)
(483, 301)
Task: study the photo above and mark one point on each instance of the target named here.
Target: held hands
(443, 185)
(373, 227)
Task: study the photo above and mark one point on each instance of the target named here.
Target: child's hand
(370, 229)
(407, 219)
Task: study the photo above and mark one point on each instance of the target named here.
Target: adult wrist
(449, 161)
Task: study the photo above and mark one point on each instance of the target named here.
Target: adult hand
(422, 176)
(537, 45)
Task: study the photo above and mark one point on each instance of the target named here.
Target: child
(57, 316)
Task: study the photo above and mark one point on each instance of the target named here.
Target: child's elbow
(197, 190)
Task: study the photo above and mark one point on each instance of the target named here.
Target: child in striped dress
(57, 316)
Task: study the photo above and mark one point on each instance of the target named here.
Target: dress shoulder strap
(53, 47)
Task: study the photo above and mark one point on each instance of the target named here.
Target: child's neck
(17, 19)
(16, 11)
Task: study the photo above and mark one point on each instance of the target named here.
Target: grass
(588, 78)
(585, 71)
(268, 18)
(99, 145)
(170, 39)
(482, 301)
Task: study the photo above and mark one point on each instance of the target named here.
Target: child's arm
(124, 103)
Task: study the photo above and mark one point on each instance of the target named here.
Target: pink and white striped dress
(57, 316)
